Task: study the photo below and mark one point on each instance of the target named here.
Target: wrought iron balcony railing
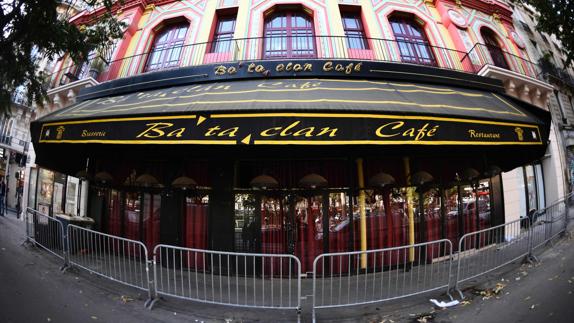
(20, 97)
(308, 47)
(552, 71)
(481, 55)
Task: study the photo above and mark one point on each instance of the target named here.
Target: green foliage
(35, 26)
(556, 17)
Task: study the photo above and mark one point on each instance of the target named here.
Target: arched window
(288, 34)
(412, 41)
(167, 47)
(493, 48)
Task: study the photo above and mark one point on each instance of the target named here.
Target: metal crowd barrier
(483, 251)
(274, 280)
(228, 278)
(119, 259)
(547, 224)
(363, 277)
(46, 232)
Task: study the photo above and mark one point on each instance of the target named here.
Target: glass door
(309, 229)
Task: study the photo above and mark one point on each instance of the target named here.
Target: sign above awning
(292, 128)
(298, 112)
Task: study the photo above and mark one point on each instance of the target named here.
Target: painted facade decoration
(453, 29)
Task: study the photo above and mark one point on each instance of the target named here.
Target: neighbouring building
(14, 147)
(547, 51)
(302, 127)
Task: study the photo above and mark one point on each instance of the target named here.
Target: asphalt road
(33, 289)
(540, 293)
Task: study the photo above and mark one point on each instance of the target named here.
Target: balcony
(480, 58)
(20, 97)
(556, 74)
(14, 144)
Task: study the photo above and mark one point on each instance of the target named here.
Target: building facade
(14, 146)
(548, 52)
(299, 127)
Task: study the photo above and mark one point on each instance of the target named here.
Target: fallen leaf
(464, 303)
(498, 288)
(126, 299)
(527, 298)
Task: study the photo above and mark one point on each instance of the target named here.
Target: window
(412, 41)
(493, 48)
(167, 47)
(223, 34)
(526, 27)
(289, 34)
(354, 31)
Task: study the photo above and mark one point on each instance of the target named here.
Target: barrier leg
(565, 232)
(531, 258)
(152, 290)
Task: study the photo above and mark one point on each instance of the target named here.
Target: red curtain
(310, 232)
(151, 220)
(273, 235)
(114, 220)
(452, 207)
(132, 211)
(195, 230)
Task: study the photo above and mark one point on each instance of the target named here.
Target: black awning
(299, 112)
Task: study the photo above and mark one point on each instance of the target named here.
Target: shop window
(484, 204)
(223, 34)
(491, 43)
(72, 189)
(246, 230)
(469, 212)
(45, 190)
(451, 203)
(531, 188)
(309, 226)
(354, 31)
(132, 213)
(411, 39)
(540, 186)
(167, 47)
(32, 188)
(289, 34)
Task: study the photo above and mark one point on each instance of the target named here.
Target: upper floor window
(289, 34)
(167, 47)
(223, 35)
(354, 30)
(412, 41)
(493, 48)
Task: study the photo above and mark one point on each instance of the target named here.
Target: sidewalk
(30, 278)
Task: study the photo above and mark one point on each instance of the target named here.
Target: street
(33, 289)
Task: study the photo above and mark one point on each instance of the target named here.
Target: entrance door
(309, 229)
(142, 217)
